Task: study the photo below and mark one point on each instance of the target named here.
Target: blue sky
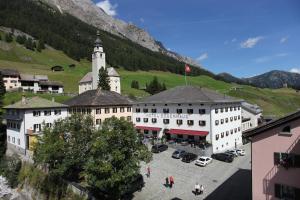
(241, 37)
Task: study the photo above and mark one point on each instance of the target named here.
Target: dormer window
(286, 130)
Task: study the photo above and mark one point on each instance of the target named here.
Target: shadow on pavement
(238, 186)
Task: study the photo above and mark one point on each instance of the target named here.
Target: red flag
(187, 68)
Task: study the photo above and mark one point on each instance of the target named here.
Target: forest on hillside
(75, 38)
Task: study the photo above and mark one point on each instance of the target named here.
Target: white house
(11, 79)
(251, 116)
(26, 118)
(90, 80)
(193, 113)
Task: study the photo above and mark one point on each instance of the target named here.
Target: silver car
(178, 153)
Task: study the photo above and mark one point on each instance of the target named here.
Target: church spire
(98, 42)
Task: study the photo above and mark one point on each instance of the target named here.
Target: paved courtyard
(221, 180)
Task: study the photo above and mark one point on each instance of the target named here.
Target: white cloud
(295, 70)
(251, 42)
(142, 20)
(269, 58)
(233, 40)
(109, 8)
(202, 57)
(284, 39)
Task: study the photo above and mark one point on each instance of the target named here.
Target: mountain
(230, 78)
(88, 12)
(275, 79)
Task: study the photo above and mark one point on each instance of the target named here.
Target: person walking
(167, 182)
(148, 172)
(201, 189)
(197, 189)
(171, 181)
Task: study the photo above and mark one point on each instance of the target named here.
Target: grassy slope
(274, 102)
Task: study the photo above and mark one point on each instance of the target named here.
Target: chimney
(23, 100)
(53, 99)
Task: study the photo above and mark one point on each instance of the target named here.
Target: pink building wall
(264, 173)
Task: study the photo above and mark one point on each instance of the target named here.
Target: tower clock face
(116, 81)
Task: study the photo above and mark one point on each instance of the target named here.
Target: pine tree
(29, 44)
(103, 82)
(41, 45)
(8, 37)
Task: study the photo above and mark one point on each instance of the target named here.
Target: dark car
(189, 157)
(223, 157)
(159, 148)
(178, 153)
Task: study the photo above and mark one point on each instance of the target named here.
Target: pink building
(276, 159)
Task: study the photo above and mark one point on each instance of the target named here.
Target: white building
(26, 118)
(193, 113)
(90, 80)
(251, 116)
(11, 79)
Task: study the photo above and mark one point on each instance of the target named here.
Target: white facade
(250, 119)
(98, 62)
(85, 86)
(11, 82)
(23, 123)
(115, 84)
(222, 122)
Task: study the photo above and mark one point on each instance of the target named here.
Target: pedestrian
(197, 189)
(201, 189)
(171, 181)
(167, 182)
(148, 172)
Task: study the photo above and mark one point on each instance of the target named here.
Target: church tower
(98, 61)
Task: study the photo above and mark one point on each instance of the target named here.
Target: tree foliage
(135, 84)
(104, 81)
(41, 45)
(155, 86)
(115, 157)
(8, 37)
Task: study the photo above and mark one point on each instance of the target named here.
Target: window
(202, 123)
(286, 130)
(137, 110)
(145, 110)
(36, 128)
(146, 131)
(217, 122)
(222, 121)
(234, 108)
(128, 109)
(166, 121)
(217, 136)
(231, 119)
(239, 128)
(129, 118)
(179, 111)
(239, 108)
(137, 119)
(13, 140)
(98, 111)
(19, 141)
(88, 111)
(222, 134)
(47, 112)
(145, 120)
(226, 109)
(222, 110)
(48, 125)
(154, 120)
(235, 130)
(57, 112)
(166, 110)
(8, 138)
(179, 121)
(98, 121)
(115, 110)
(153, 110)
(106, 110)
(226, 120)
(122, 109)
(231, 108)
(190, 122)
(231, 131)
(190, 111)
(287, 159)
(216, 110)
(239, 117)
(36, 113)
(235, 117)
(286, 192)
(201, 111)
(227, 133)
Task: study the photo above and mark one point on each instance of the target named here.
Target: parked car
(223, 157)
(159, 148)
(189, 157)
(241, 152)
(233, 152)
(203, 161)
(184, 143)
(178, 153)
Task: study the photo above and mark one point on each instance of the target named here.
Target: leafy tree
(29, 44)
(8, 37)
(65, 147)
(21, 39)
(155, 87)
(103, 82)
(41, 45)
(115, 157)
(10, 168)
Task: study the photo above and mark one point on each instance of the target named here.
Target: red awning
(187, 132)
(148, 128)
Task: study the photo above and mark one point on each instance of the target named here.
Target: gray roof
(98, 98)
(255, 109)
(9, 72)
(89, 76)
(30, 77)
(112, 72)
(188, 94)
(51, 83)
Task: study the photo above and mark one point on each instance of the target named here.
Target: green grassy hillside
(12, 55)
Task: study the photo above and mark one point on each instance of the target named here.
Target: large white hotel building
(193, 113)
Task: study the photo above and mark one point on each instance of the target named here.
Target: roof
(9, 72)
(112, 72)
(255, 109)
(51, 83)
(87, 78)
(35, 102)
(30, 77)
(98, 41)
(273, 124)
(188, 94)
(98, 98)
